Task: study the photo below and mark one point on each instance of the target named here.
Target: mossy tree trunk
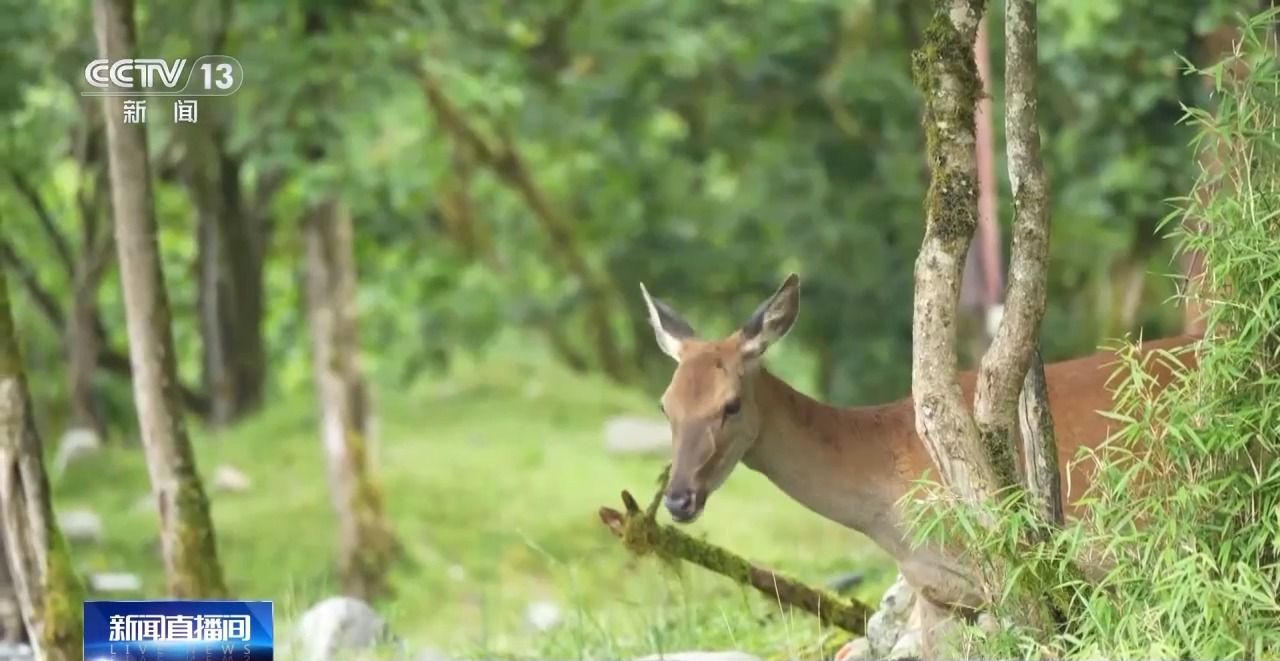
(49, 593)
(975, 452)
(1005, 364)
(947, 75)
(186, 529)
(1012, 374)
(367, 545)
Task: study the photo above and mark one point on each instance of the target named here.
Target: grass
(493, 476)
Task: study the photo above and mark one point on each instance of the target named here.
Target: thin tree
(49, 593)
(975, 452)
(230, 254)
(366, 542)
(186, 529)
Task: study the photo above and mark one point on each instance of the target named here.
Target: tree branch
(44, 300)
(1005, 364)
(110, 359)
(642, 535)
(505, 161)
(60, 244)
(947, 75)
(1039, 447)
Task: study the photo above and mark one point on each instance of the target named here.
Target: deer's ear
(668, 327)
(771, 321)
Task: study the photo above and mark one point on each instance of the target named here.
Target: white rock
(80, 526)
(115, 582)
(77, 443)
(456, 573)
(229, 479)
(543, 615)
(637, 435)
(338, 629)
(988, 624)
(908, 646)
(701, 656)
(10, 651)
(890, 621)
(898, 599)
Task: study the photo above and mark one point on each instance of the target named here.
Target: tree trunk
(945, 71)
(186, 530)
(84, 346)
(1004, 366)
(367, 544)
(230, 279)
(48, 592)
(12, 628)
(1039, 446)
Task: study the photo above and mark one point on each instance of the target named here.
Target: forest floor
(492, 477)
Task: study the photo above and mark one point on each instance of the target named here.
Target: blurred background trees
(519, 167)
(448, 175)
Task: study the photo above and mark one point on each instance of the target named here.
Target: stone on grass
(76, 444)
(80, 526)
(114, 582)
(891, 620)
(339, 628)
(637, 435)
(908, 646)
(229, 479)
(543, 615)
(731, 655)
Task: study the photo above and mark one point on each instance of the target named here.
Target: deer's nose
(682, 504)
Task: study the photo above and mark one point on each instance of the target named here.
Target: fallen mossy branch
(642, 534)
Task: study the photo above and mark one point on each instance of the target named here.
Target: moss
(999, 447)
(197, 571)
(364, 571)
(951, 203)
(643, 535)
(62, 637)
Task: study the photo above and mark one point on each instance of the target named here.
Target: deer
(853, 466)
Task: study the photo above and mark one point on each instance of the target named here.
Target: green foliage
(703, 148)
(1180, 533)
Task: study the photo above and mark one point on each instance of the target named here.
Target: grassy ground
(493, 478)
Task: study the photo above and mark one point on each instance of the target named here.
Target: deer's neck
(848, 465)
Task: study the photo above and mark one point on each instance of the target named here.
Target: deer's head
(710, 401)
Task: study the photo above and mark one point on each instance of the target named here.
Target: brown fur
(850, 465)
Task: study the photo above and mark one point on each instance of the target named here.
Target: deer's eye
(733, 406)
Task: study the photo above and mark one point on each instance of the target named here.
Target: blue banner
(178, 630)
